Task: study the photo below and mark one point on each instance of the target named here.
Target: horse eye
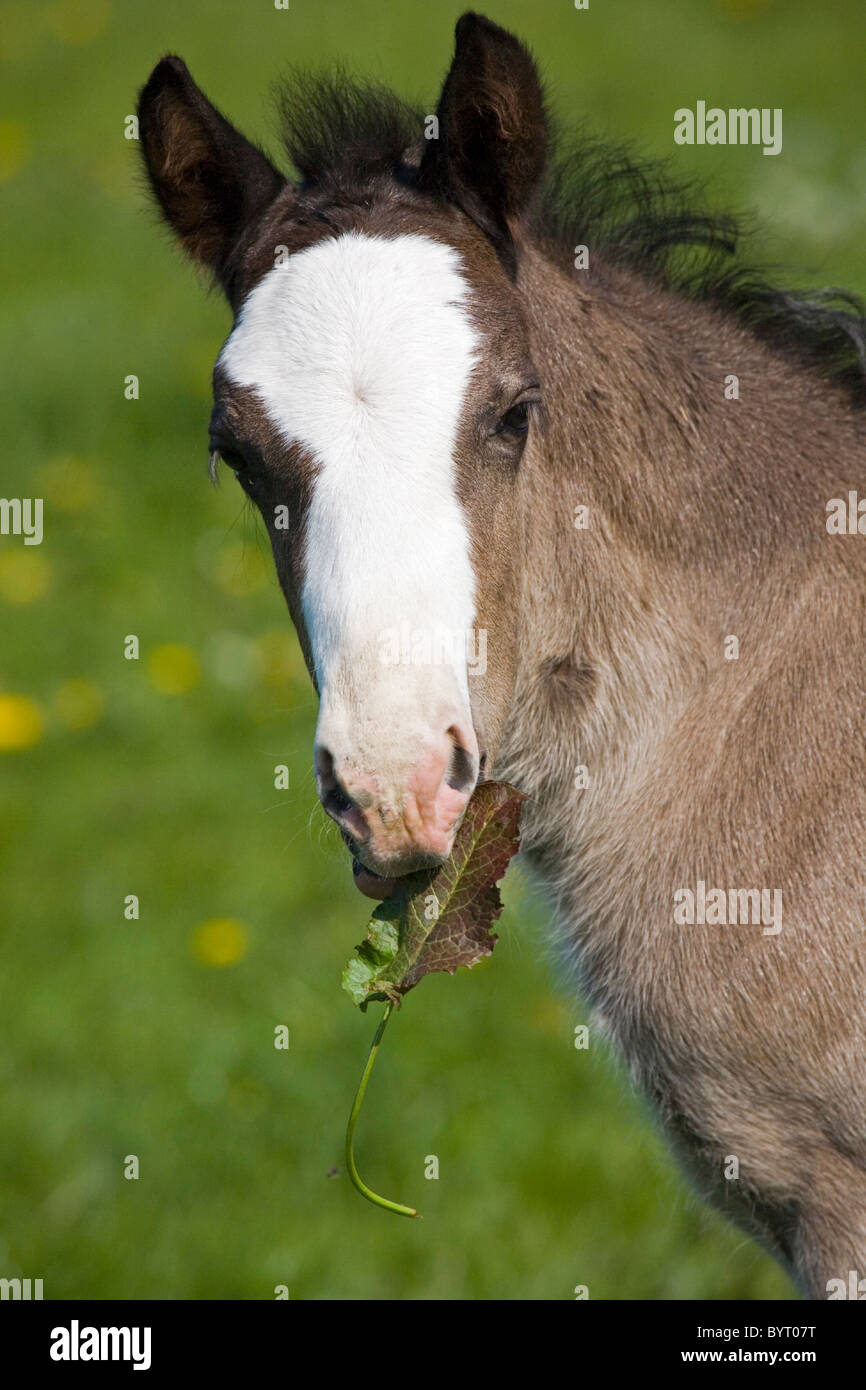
(233, 461)
(230, 458)
(515, 422)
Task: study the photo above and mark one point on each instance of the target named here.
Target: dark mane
(636, 212)
(624, 208)
(338, 129)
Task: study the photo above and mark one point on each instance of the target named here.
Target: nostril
(332, 794)
(461, 769)
(336, 802)
(323, 763)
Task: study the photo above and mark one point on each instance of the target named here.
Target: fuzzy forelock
(342, 132)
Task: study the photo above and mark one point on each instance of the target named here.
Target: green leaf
(441, 919)
(374, 955)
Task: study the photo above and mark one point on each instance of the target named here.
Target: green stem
(353, 1120)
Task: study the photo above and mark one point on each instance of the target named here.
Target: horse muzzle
(403, 820)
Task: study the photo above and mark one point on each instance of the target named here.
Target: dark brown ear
(209, 181)
(492, 141)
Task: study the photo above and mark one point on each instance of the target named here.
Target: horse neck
(705, 514)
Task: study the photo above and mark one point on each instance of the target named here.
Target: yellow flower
(220, 941)
(173, 669)
(241, 569)
(24, 575)
(21, 722)
(280, 658)
(549, 1015)
(14, 148)
(71, 484)
(78, 704)
(77, 21)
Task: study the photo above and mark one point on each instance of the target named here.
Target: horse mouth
(367, 881)
(372, 885)
(380, 886)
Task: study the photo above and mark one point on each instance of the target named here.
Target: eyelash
(232, 460)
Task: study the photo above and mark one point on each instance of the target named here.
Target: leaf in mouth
(441, 919)
(434, 921)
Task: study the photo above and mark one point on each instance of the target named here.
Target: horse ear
(492, 143)
(207, 178)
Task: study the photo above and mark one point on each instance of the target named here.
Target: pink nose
(398, 829)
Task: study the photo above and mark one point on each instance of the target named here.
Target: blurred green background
(155, 777)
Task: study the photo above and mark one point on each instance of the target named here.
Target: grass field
(155, 777)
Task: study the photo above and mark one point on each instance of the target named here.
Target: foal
(622, 477)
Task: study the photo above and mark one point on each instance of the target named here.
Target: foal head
(376, 398)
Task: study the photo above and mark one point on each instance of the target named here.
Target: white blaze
(360, 349)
